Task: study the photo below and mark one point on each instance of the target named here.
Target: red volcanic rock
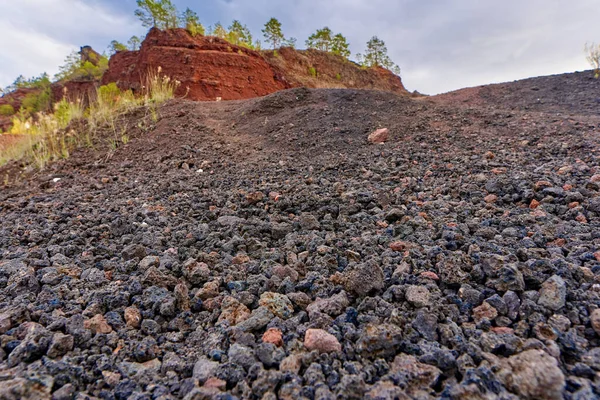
(210, 68)
(207, 68)
(379, 136)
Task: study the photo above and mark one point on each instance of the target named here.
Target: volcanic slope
(262, 249)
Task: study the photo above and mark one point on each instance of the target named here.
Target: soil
(264, 249)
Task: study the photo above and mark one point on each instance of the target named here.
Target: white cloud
(39, 34)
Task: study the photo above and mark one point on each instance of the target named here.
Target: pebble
(553, 293)
(418, 296)
(278, 304)
(321, 341)
(533, 374)
(273, 336)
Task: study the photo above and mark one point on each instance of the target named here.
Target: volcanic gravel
(262, 249)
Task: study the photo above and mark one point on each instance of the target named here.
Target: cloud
(39, 34)
(443, 44)
(440, 45)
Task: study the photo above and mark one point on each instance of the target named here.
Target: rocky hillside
(263, 249)
(210, 68)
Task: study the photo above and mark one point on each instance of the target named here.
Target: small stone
(333, 306)
(553, 293)
(147, 262)
(196, 272)
(233, 311)
(259, 318)
(484, 311)
(208, 291)
(275, 196)
(379, 136)
(278, 304)
(386, 390)
(533, 374)
(254, 197)
(204, 369)
(60, 345)
(363, 278)
(300, 299)
(418, 296)
(240, 259)
(111, 378)
(309, 222)
(182, 297)
(419, 376)
(490, 198)
(133, 317)
(215, 383)
(274, 336)
(595, 321)
(399, 246)
(395, 214)
(379, 340)
(98, 324)
(322, 341)
(430, 275)
(5, 323)
(534, 204)
(291, 363)
(133, 251)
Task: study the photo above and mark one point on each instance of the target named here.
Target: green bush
(36, 102)
(7, 110)
(75, 68)
(312, 72)
(109, 93)
(338, 77)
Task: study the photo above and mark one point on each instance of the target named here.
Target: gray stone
(418, 296)
(204, 369)
(553, 293)
(535, 375)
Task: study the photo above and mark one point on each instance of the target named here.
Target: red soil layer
(210, 68)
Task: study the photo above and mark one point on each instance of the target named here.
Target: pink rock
(274, 336)
(379, 136)
(320, 340)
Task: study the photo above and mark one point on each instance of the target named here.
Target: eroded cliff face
(206, 67)
(210, 68)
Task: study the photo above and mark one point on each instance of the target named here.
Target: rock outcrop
(209, 68)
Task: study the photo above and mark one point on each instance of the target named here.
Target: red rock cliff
(210, 68)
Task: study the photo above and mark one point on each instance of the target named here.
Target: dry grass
(48, 137)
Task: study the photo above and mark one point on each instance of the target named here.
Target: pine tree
(219, 31)
(340, 46)
(115, 47)
(134, 43)
(190, 21)
(320, 40)
(240, 35)
(273, 33)
(376, 56)
(160, 14)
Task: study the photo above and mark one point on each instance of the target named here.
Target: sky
(440, 45)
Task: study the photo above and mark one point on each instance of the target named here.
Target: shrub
(593, 57)
(76, 68)
(7, 110)
(109, 93)
(312, 72)
(338, 77)
(37, 102)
